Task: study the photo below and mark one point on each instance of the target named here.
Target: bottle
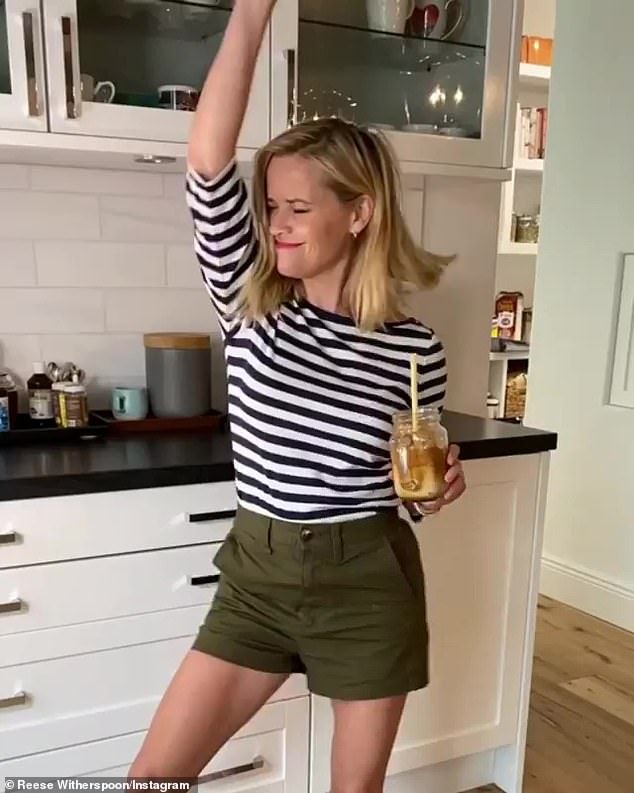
(4, 410)
(75, 406)
(419, 457)
(11, 393)
(40, 397)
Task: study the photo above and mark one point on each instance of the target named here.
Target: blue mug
(129, 404)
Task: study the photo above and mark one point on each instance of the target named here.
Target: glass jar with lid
(527, 229)
(419, 455)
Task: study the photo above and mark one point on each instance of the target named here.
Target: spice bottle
(11, 395)
(75, 406)
(40, 397)
(59, 407)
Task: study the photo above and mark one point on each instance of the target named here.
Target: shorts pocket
(403, 552)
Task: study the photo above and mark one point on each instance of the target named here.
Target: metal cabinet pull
(11, 605)
(8, 537)
(201, 580)
(201, 517)
(258, 762)
(32, 83)
(291, 85)
(73, 95)
(11, 702)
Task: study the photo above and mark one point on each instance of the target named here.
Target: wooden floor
(581, 724)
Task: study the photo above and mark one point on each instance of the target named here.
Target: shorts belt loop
(336, 532)
(269, 537)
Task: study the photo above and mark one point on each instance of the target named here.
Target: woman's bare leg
(207, 701)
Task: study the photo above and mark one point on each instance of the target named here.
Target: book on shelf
(533, 130)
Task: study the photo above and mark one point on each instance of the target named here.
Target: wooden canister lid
(177, 341)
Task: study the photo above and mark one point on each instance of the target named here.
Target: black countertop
(131, 462)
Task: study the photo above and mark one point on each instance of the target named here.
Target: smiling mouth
(287, 245)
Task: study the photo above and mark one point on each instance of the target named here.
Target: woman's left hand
(456, 485)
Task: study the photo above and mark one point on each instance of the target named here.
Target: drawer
(89, 697)
(268, 755)
(88, 590)
(72, 527)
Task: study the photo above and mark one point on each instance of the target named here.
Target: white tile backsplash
(17, 264)
(183, 269)
(13, 176)
(96, 182)
(156, 310)
(89, 261)
(100, 264)
(28, 215)
(145, 219)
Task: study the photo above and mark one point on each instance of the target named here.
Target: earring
(355, 234)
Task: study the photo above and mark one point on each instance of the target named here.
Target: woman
(318, 574)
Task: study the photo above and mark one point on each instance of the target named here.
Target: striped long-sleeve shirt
(311, 398)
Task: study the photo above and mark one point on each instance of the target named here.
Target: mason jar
(419, 458)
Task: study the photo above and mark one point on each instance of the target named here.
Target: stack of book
(533, 129)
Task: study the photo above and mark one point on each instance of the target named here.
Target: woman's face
(311, 228)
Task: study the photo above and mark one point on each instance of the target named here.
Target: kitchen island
(106, 570)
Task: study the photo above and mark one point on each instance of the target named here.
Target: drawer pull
(11, 605)
(73, 96)
(201, 580)
(202, 517)
(11, 702)
(258, 762)
(8, 537)
(32, 85)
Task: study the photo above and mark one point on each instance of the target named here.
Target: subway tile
(14, 176)
(156, 310)
(29, 215)
(182, 267)
(17, 354)
(99, 354)
(100, 264)
(100, 389)
(96, 182)
(145, 219)
(17, 264)
(51, 311)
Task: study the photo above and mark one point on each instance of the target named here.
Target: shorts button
(306, 534)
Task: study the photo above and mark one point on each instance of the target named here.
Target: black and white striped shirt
(311, 398)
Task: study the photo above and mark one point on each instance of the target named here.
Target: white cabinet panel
(71, 527)
(22, 85)
(622, 392)
(274, 742)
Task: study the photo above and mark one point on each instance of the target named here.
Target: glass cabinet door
(135, 68)
(432, 74)
(22, 90)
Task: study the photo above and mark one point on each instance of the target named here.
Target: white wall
(92, 259)
(587, 224)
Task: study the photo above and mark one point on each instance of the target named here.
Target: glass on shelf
(5, 71)
(148, 53)
(392, 80)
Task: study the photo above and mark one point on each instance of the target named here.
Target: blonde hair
(355, 162)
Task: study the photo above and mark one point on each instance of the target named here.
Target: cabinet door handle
(201, 580)
(11, 605)
(291, 85)
(254, 765)
(12, 702)
(32, 82)
(73, 95)
(202, 517)
(8, 538)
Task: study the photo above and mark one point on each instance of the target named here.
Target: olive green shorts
(343, 603)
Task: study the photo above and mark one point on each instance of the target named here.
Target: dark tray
(24, 432)
(210, 422)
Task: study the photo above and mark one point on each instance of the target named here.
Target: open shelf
(524, 165)
(519, 248)
(534, 76)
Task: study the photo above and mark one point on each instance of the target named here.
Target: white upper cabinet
(22, 87)
(438, 82)
(108, 59)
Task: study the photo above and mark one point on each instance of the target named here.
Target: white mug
(96, 92)
(389, 16)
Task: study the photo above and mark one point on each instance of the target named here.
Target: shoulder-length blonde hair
(355, 162)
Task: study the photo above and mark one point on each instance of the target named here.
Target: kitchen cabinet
(88, 73)
(22, 87)
(443, 99)
(124, 51)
